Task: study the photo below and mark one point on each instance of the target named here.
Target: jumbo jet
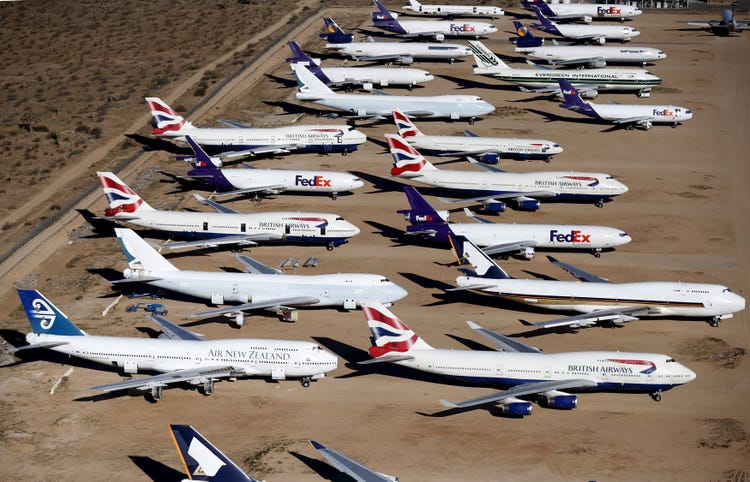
(225, 226)
(259, 287)
(180, 356)
(495, 187)
(436, 29)
(257, 182)
(242, 141)
(585, 12)
(630, 116)
(598, 299)
(367, 77)
(526, 370)
(507, 238)
(584, 33)
(487, 149)
(379, 106)
(452, 11)
(724, 27)
(582, 55)
(542, 79)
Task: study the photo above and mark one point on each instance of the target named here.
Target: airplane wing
(141, 279)
(283, 149)
(419, 113)
(387, 358)
(632, 120)
(239, 240)
(469, 133)
(485, 166)
(190, 375)
(577, 272)
(507, 195)
(509, 247)
(220, 208)
(267, 189)
(522, 390)
(616, 315)
(255, 266)
(476, 218)
(353, 469)
(173, 331)
(368, 58)
(234, 124)
(424, 232)
(503, 342)
(582, 60)
(45, 344)
(595, 37)
(469, 153)
(472, 287)
(275, 303)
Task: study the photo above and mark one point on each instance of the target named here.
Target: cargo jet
(437, 29)
(724, 27)
(495, 186)
(527, 370)
(584, 33)
(225, 226)
(379, 106)
(486, 149)
(243, 141)
(181, 356)
(452, 11)
(598, 299)
(507, 238)
(588, 81)
(630, 116)
(260, 287)
(585, 12)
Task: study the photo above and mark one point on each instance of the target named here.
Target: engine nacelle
(495, 206)
(601, 40)
(490, 158)
(367, 86)
(587, 19)
(406, 60)
(560, 400)
(598, 63)
(526, 253)
(516, 409)
(439, 37)
(589, 94)
(526, 204)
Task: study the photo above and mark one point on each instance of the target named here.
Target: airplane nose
(354, 229)
(357, 183)
(690, 374)
(623, 238)
(397, 293)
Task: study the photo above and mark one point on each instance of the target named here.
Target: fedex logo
(574, 236)
(608, 11)
(663, 112)
(315, 181)
(465, 28)
(422, 218)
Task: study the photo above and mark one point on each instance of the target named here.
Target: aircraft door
(547, 372)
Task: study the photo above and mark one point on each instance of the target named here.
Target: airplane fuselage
(593, 32)
(593, 10)
(382, 76)
(656, 114)
(506, 147)
(455, 11)
(292, 180)
(602, 79)
(593, 54)
(446, 28)
(391, 50)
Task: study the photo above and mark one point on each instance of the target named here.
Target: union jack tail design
(407, 161)
(406, 128)
(120, 197)
(166, 120)
(389, 334)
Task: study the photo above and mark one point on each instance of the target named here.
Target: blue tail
(335, 34)
(525, 38)
(468, 253)
(573, 101)
(202, 460)
(384, 19)
(299, 56)
(545, 25)
(423, 218)
(201, 158)
(44, 317)
(540, 4)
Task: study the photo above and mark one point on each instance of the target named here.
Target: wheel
(208, 387)
(599, 203)
(597, 254)
(656, 396)
(330, 246)
(305, 382)
(344, 153)
(715, 321)
(471, 120)
(334, 195)
(156, 393)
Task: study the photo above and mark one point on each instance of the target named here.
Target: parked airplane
(724, 27)
(242, 141)
(367, 77)
(452, 11)
(585, 33)
(507, 238)
(260, 287)
(598, 299)
(541, 79)
(487, 149)
(236, 182)
(582, 11)
(372, 105)
(588, 55)
(202, 460)
(495, 187)
(181, 357)
(527, 370)
(641, 116)
(353, 469)
(437, 29)
(335, 34)
(226, 226)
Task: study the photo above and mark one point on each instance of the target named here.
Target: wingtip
(448, 404)
(317, 445)
(473, 325)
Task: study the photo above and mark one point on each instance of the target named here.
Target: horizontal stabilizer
(46, 344)
(577, 272)
(255, 266)
(387, 358)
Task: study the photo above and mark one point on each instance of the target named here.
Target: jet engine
(514, 407)
(408, 60)
(526, 204)
(489, 158)
(587, 19)
(439, 37)
(526, 253)
(494, 206)
(559, 400)
(601, 40)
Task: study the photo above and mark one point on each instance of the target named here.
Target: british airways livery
(526, 370)
(437, 29)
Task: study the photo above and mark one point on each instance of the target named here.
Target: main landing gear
(715, 321)
(305, 382)
(656, 396)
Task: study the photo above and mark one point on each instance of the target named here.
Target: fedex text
(574, 236)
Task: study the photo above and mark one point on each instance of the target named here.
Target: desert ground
(686, 211)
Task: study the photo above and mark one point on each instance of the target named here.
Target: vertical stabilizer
(335, 34)
(525, 39)
(45, 317)
(389, 334)
(468, 253)
(139, 254)
(202, 159)
(485, 59)
(405, 126)
(385, 19)
(545, 24)
(309, 85)
(572, 99)
(407, 161)
(300, 57)
(120, 197)
(202, 460)
(166, 121)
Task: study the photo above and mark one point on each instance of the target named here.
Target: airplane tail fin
(202, 460)
(485, 59)
(423, 218)
(545, 23)
(45, 317)
(572, 99)
(120, 197)
(468, 253)
(335, 34)
(385, 19)
(309, 85)
(540, 4)
(202, 159)
(524, 37)
(405, 126)
(300, 57)
(166, 120)
(389, 334)
(139, 254)
(407, 161)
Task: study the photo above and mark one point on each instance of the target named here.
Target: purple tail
(383, 19)
(300, 57)
(573, 100)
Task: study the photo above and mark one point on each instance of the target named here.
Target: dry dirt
(686, 211)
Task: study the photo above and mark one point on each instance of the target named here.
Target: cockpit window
(623, 234)
(727, 290)
(671, 360)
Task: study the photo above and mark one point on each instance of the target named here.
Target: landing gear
(156, 393)
(656, 396)
(256, 197)
(345, 152)
(334, 195)
(330, 246)
(599, 203)
(714, 321)
(305, 382)
(471, 120)
(597, 253)
(208, 387)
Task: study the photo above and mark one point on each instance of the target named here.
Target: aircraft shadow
(475, 84)
(156, 144)
(381, 184)
(285, 82)
(321, 468)
(102, 228)
(155, 470)
(394, 234)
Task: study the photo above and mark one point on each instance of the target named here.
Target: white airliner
(372, 105)
(437, 29)
(226, 226)
(495, 187)
(586, 33)
(488, 149)
(583, 11)
(452, 11)
(588, 55)
(725, 27)
(507, 238)
(542, 79)
(598, 299)
(237, 182)
(640, 116)
(181, 356)
(367, 77)
(260, 287)
(527, 370)
(402, 52)
(242, 141)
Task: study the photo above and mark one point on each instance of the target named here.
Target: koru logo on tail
(44, 313)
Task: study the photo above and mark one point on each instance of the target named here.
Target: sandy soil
(686, 212)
